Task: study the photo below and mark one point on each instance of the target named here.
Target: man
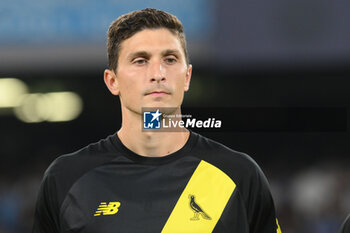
(140, 182)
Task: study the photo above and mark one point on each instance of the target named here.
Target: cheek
(127, 80)
(178, 73)
(130, 90)
(181, 80)
(180, 88)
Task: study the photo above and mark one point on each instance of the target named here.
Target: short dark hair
(129, 24)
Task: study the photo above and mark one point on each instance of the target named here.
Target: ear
(188, 77)
(111, 81)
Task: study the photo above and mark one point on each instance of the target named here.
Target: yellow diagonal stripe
(212, 189)
(278, 227)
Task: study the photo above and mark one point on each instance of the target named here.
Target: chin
(158, 104)
(172, 107)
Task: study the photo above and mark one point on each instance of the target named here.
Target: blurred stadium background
(250, 54)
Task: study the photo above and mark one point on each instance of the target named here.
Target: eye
(140, 61)
(170, 60)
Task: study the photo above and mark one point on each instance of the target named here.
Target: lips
(158, 93)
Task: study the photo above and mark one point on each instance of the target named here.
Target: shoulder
(222, 155)
(239, 166)
(65, 170)
(86, 157)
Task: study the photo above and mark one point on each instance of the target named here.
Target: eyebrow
(147, 54)
(139, 54)
(171, 51)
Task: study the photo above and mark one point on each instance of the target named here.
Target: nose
(157, 72)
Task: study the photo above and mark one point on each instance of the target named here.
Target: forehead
(151, 40)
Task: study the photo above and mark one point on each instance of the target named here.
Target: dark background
(264, 67)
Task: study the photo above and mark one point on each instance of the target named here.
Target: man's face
(152, 71)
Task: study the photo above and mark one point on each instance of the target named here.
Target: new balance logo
(110, 209)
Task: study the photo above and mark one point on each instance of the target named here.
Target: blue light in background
(69, 22)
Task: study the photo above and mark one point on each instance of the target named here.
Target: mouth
(158, 93)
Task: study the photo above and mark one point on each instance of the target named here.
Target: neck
(150, 144)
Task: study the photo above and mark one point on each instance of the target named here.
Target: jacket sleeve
(261, 210)
(345, 227)
(46, 218)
